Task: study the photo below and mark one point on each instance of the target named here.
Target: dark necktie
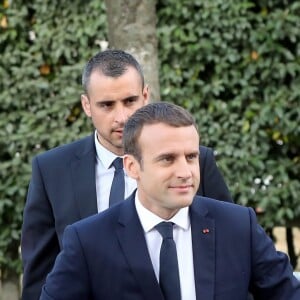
(168, 270)
(118, 184)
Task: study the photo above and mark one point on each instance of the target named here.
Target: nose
(121, 115)
(183, 169)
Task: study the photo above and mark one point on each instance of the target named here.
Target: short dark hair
(157, 112)
(112, 63)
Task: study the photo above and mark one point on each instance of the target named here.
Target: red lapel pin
(205, 230)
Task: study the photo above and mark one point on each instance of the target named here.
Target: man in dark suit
(221, 250)
(73, 181)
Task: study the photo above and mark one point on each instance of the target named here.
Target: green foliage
(236, 66)
(44, 46)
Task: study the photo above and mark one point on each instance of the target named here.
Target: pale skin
(168, 175)
(110, 102)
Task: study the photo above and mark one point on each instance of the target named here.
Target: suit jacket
(62, 191)
(106, 257)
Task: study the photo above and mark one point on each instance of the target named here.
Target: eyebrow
(108, 101)
(163, 155)
(173, 154)
(134, 97)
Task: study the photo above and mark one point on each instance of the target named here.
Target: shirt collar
(149, 220)
(105, 156)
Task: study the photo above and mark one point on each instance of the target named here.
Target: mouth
(182, 188)
(118, 131)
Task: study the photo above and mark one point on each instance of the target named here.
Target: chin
(186, 202)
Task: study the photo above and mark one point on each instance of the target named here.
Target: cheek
(152, 180)
(161, 178)
(196, 173)
(137, 105)
(131, 110)
(100, 117)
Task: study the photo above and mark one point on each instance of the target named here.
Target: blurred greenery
(234, 64)
(44, 46)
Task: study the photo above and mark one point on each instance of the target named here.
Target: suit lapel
(203, 239)
(83, 177)
(131, 237)
(132, 240)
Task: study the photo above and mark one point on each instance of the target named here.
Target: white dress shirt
(183, 239)
(105, 174)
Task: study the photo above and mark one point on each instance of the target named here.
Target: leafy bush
(236, 65)
(44, 46)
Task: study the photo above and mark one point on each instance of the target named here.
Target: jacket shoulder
(205, 149)
(77, 147)
(221, 209)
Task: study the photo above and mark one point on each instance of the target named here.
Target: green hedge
(43, 50)
(234, 64)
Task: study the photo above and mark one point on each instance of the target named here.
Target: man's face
(168, 175)
(110, 102)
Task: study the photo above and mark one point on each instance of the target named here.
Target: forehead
(130, 75)
(160, 137)
(102, 87)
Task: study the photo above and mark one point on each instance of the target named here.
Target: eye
(130, 101)
(105, 105)
(166, 159)
(192, 156)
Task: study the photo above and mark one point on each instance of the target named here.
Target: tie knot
(165, 229)
(118, 163)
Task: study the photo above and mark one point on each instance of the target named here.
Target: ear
(131, 166)
(146, 94)
(86, 105)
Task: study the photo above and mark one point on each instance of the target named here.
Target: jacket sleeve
(212, 184)
(69, 279)
(272, 274)
(39, 243)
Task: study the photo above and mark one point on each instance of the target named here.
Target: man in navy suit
(73, 181)
(221, 250)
